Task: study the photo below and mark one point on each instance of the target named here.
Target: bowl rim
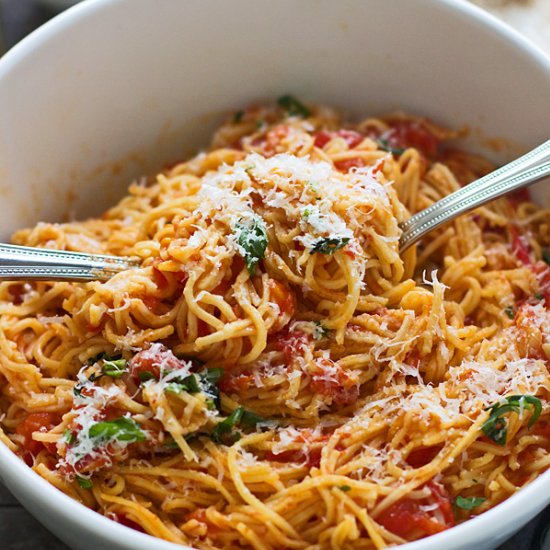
(87, 520)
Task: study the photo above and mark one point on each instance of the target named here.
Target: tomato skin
(150, 360)
(422, 456)
(280, 294)
(127, 522)
(346, 165)
(407, 519)
(337, 386)
(293, 343)
(351, 137)
(36, 422)
(520, 247)
(411, 133)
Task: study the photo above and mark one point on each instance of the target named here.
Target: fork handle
(24, 263)
(529, 168)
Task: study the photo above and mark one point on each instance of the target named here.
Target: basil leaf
(145, 375)
(93, 360)
(84, 482)
(539, 296)
(496, 426)
(468, 503)
(252, 238)
(121, 429)
(293, 106)
(190, 384)
(319, 332)
(238, 117)
(224, 433)
(385, 146)
(344, 488)
(114, 368)
(329, 245)
(510, 312)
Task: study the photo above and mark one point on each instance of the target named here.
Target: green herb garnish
(145, 375)
(539, 296)
(496, 426)
(510, 312)
(344, 488)
(329, 245)
(121, 429)
(468, 503)
(319, 332)
(84, 482)
(252, 239)
(293, 107)
(114, 368)
(238, 117)
(385, 146)
(546, 256)
(224, 431)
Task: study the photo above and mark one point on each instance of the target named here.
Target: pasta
(275, 374)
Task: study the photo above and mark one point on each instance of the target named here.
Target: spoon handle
(24, 263)
(527, 169)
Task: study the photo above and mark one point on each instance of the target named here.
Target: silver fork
(23, 263)
(527, 169)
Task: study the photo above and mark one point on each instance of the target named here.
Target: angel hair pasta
(275, 374)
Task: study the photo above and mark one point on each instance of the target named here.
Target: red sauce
(420, 457)
(411, 133)
(36, 422)
(407, 519)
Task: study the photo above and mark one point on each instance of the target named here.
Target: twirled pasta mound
(275, 374)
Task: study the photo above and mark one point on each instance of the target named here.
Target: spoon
(24, 263)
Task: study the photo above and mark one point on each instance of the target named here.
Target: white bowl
(111, 89)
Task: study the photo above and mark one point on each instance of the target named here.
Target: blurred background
(18, 529)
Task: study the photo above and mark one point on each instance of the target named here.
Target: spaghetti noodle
(275, 374)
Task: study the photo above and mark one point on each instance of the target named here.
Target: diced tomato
(222, 287)
(236, 383)
(322, 138)
(127, 522)
(151, 360)
(351, 137)
(37, 422)
(519, 196)
(281, 295)
(422, 456)
(271, 142)
(334, 382)
(151, 302)
(411, 133)
(407, 518)
(346, 165)
(293, 343)
(520, 246)
(542, 427)
(16, 292)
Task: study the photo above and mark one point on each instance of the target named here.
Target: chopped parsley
(468, 503)
(496, 426)
(509, 312)
(121, 429)
(385, 146)
(84, 482)
(252, 239)
(292, 106)
(319, 331)
(225, 431)
(329, 245)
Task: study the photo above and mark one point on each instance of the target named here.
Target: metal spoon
(529, 168)
(23, 263)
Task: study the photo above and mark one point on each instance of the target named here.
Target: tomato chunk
(411, 133)
(422, 456)
(36, 422)
(412, 518)
(334, 382)
(150, 361)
